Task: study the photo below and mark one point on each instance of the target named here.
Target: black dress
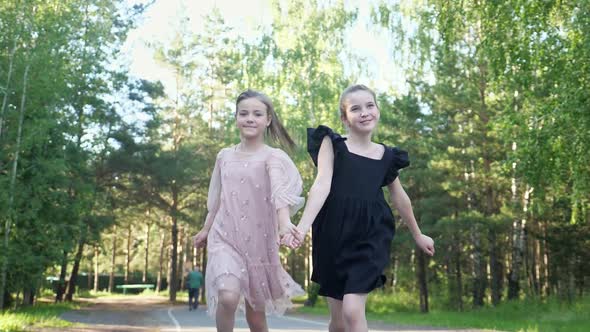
(352, 233)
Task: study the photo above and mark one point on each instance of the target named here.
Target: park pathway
(142, 314)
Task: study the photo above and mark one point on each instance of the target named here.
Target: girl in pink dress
(254, 191)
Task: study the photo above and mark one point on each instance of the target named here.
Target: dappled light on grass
(520, 316)
(40, 315)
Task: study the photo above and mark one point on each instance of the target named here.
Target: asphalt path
(155, 314)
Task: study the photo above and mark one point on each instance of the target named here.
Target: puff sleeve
(399, 160)
(315, 138)
(285, 182)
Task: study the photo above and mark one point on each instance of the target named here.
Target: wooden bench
(134, 286)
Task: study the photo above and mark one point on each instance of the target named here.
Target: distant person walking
(194, 282)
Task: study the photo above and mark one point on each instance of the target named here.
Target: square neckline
(365, 157)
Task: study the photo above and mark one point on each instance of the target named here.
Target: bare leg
(336, 319)
(228, 300)
(256, 319)
(226, 311)
(353, 312)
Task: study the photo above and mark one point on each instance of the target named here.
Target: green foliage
(64, 48)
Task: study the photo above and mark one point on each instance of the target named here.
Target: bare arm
(200, 239)
(402, 203)
(213, 203)
(320, 189)
(284, 220)
(210, 217)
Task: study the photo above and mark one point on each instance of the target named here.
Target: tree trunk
(292, 263)
(74, 275)
(195, 258)
(448, 267)
(96, 272)
(479, 267)
(535, 266)
(450, 274)
(422, 280)
(518, 248)
(182, 258)
(11, 215)
(7, 86)
(488, 191)
(113, 261)
(147, 252)
(28, 296)
(169, 271)
(393, 270)
(203, 269)
(161, 262)
(173, 281)
(89, 279)
(458, 275)
(61, 283)
(128, 254)
(496, 269)
(544, 265)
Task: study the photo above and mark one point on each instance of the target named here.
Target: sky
(158, 25)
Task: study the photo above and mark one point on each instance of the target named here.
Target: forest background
(104, 172)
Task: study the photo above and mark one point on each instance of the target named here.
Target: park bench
(134, 286)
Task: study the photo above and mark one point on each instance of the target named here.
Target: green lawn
(46, 314)
(521, 316)
(39, 315)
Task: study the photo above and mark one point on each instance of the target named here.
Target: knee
(256, 321)
(353, 314)
(228, 300)
(336, 325)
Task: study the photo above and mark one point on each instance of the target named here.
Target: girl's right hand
(200, 239)
(294, 239)
(426, 243)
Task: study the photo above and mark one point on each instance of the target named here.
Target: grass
(519, 316)
(45, 314)
(39, 315)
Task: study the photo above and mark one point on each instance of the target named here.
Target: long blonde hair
(275, 130)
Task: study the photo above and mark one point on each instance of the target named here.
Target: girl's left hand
(292, 239)
(426, 243)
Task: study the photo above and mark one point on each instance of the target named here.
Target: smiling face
(361, 113)
(252, 118)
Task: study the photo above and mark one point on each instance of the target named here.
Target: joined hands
(293, 238)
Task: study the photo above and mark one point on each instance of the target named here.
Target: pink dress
(243, 242)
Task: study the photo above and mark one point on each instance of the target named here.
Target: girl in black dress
(352, 223)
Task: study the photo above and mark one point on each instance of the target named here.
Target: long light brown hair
(275, 130)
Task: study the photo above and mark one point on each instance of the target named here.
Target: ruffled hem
(339, 294)
(276, 307)
(266, 287)
(399, 160)
(315, 138)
